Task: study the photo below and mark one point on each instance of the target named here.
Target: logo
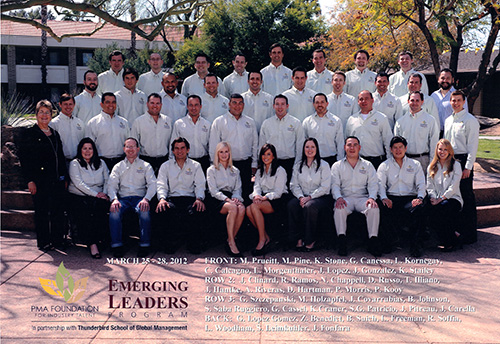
(74, 290)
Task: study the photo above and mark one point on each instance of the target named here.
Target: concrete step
(18, 219)
(487, 195)
(17, 200)
(488, 215)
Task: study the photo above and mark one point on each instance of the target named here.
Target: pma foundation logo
(64, 285)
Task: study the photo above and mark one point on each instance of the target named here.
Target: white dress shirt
(109, 81)
(428, 106)
(174, 181)
(420, 130)
(329, 132)
(88, 181)
(213, 107)
(224, 179)
(241, 134)
(235, 83)
(360, 181)
(272, 187)
(389, 105)
(398, 83)
(286, 134)
(276, 80)
(87, 106)
(300, 102)
(132, 179)
(444, 106)
(175, 107)
(130, 105)
(374, 133)
(445, 185)
(407, 180)
(343, 106)
(195, 85)
(357, 81)
(197, 134)
(258, 107)
(311, 182)
(71, 130)
(150, 82)
(320, 82)
(109, 134)
(462, 130)
(153, 137)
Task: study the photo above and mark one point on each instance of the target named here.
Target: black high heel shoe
(262, 251)
(231, 253)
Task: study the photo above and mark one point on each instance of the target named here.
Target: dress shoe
(342, 242)
(143, 251)
(374, 246)
(118, 252)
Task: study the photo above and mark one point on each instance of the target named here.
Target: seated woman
(310, 185)
(443, 186)
(269, 186)
(224, 184)
(89, 201)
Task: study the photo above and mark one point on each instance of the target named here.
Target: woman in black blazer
(44, 168)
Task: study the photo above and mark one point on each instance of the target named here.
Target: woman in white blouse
(224, 184)
(269, 186)
(310, 185)
(89, 202)
(443, 186)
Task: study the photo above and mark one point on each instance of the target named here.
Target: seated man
(181, 191)
(131, 186)
(354, 188)
(402, 190)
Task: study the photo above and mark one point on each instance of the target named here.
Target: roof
(468, 61)
(108, 32)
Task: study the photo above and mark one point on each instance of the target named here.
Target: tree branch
(48, 29)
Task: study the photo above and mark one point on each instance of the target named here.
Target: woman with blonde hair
(224, 185)
(443, 186)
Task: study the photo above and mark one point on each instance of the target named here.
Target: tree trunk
(133, 16)
(43, 55)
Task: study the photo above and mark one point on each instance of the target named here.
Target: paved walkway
(288, 297)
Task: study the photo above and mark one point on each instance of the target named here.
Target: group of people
(298, 143)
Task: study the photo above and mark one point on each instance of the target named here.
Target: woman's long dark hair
(95, 161)
(317, 157)
(274, 163)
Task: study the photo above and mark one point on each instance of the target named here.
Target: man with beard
(88, 103)
(173, 103)
(150, 82)
(442, 96)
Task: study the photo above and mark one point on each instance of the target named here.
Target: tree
(444, 25)
(251, 26)
(109, 13)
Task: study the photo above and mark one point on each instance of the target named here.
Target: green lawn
(489, 149)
